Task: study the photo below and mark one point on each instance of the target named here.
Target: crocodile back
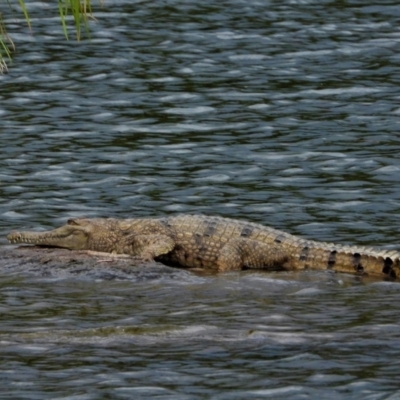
(199, 239)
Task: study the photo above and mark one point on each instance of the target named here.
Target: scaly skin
(221, 244)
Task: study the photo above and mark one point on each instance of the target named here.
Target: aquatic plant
(80, 10)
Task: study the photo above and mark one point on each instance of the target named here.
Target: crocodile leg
(246, 253)
(146, 247)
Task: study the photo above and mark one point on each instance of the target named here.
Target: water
(282, 113)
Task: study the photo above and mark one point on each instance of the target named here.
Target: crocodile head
(77, 234)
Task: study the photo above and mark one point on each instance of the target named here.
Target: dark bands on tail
(246, 231)
(357, 263)
(387, 267)
(280, 238)
(332, 259)
(211, 227)
(304, 253)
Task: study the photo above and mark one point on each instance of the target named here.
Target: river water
(284, 113)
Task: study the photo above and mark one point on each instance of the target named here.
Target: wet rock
(62, 263)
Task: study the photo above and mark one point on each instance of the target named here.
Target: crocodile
(214, 243)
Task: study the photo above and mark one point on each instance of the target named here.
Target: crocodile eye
(72, 221)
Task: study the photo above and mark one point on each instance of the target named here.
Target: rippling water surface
(283, 113)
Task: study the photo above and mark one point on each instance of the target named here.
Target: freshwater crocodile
(215, 243)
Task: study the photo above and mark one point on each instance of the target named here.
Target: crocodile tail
(349, 259)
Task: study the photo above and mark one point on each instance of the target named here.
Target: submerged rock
(63, 263)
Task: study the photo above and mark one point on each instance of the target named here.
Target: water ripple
(283, 113)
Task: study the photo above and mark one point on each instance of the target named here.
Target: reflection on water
(282, 113)
(239, 334)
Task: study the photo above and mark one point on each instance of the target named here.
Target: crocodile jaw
(71, 236)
